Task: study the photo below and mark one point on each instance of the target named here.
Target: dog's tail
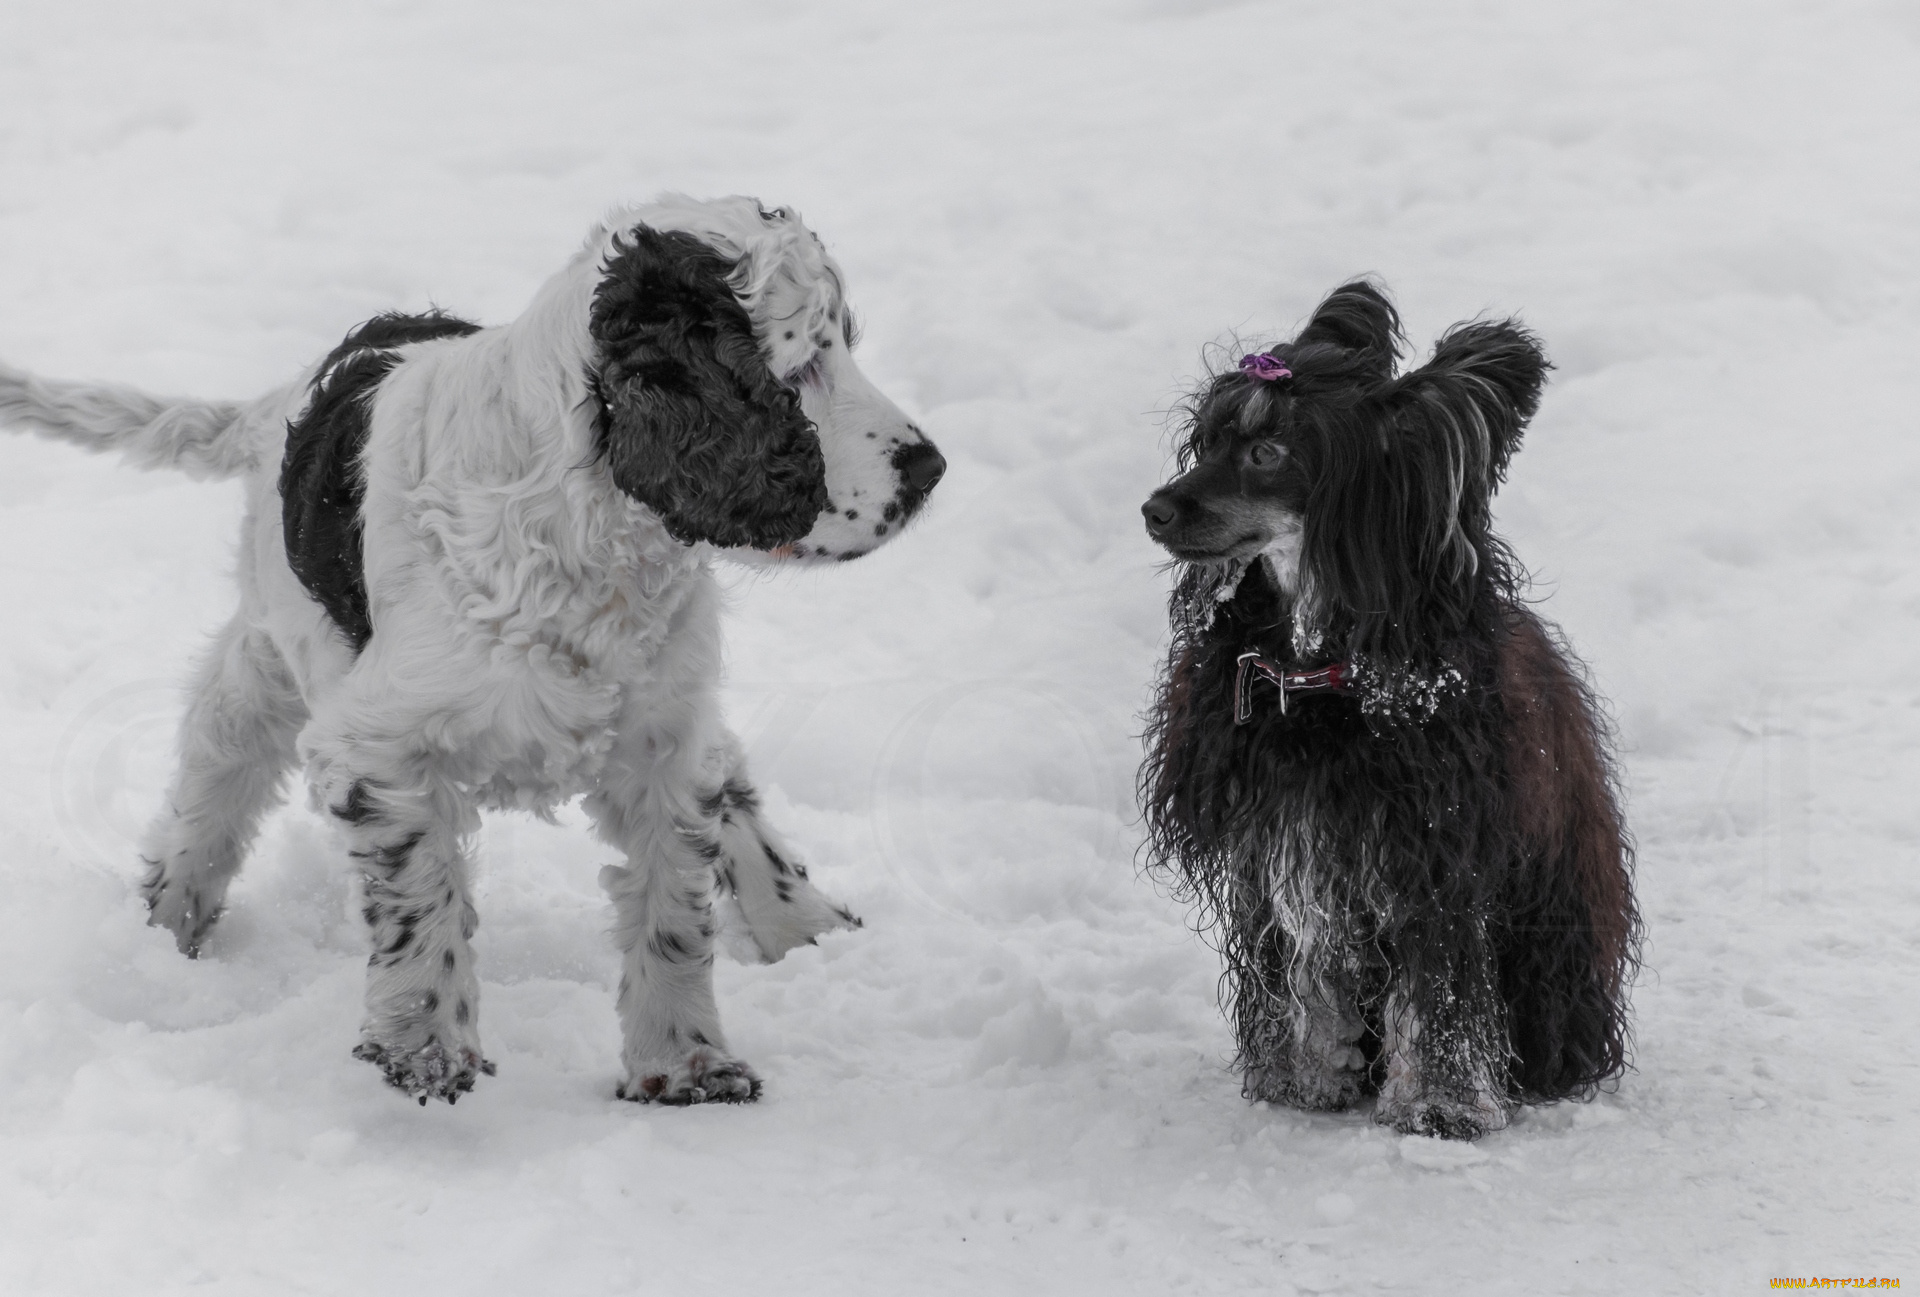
(204, 439)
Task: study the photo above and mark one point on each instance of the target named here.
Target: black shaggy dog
(1377, 771)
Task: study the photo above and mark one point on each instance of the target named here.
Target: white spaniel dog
(476, 571)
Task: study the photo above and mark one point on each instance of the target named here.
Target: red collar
(1335, 678)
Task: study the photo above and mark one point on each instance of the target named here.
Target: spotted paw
(703, 1076)
(432, 1072)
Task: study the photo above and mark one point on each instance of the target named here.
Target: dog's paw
(431, 1072)
(1445, 1117)
(705, 1075)
(796, 918)
(1322, 1070)
(1314, 1089)
(810, 914)
(185, 911)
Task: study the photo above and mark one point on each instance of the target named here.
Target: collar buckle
(1335, 677)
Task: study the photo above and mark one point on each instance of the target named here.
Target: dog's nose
(921, 465)
(1160, 512)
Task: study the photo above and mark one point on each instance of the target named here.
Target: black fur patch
(669, 946)
(391, 855)
(320, 478)
(691, 421)
(358, 808)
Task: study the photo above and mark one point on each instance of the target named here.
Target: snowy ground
(1013, 1079)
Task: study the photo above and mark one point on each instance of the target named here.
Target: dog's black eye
(1265, 454)
(850, 329)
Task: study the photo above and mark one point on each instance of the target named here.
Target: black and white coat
(476, 571)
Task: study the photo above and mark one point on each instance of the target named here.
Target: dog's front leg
(672, 1045)
(1306, 1052)
(779, 903)
(407, 835)
(1439, 1080)
(1295, 1007)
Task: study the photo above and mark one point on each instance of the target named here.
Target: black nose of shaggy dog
(1160, 511)
(921, 465)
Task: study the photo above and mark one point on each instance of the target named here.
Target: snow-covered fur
(1421, 884)
(476, 572)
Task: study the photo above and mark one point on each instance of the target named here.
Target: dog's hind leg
(236, 743)
(780, 905)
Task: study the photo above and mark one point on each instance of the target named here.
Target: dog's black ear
(1482, 385)
(691, 421)
(1399, 527)
(1356, 317)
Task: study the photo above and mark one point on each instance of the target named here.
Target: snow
(1014, 1077)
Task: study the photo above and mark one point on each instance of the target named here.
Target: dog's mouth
(1236, 551)
(1211, 527)
(873, 528)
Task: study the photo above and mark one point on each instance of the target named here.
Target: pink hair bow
(1264, 368)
